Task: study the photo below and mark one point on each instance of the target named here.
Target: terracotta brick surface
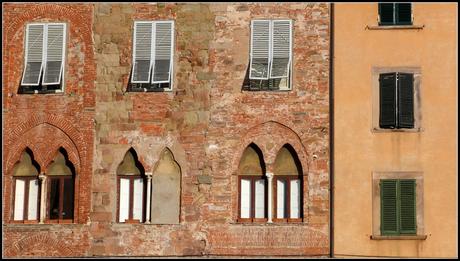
(206, 121)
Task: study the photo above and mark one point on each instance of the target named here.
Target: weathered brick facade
(206, 121)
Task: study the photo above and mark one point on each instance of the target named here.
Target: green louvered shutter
(386, 13)
(403, 14)
(387, 83)
(388, 207)
(406, 100)
(407, 207)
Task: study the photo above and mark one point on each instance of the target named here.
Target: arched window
(26, 188)
(61, 187)
(166, 190)
(252, 186)
(131, 189)
(288, 186)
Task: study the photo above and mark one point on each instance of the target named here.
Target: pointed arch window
(131, 186)
(26, 187)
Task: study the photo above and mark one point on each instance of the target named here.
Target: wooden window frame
(61, 199)
(131, 178)
(27, 180)
(396, 21)
(253, 180)
(288, 179)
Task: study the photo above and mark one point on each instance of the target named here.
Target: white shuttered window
(44, 53)
(124, 200)
(153, 46)
(19, 200)
(271, 49)
(245, 198)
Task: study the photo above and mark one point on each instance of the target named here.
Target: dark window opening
(395, 14)
(61, 197)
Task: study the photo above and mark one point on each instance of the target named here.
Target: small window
(44, 58)
(395, 14)
(270, 56)
(398, 207)
(396, 94)
(153, 49)
(131, 189)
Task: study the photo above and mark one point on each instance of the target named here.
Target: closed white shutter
(281, 49)
(260, 199)
(280, 198)
(33, 200)
(138, 198)
(245, 207)
(19, 200)
(124, 200)
(55, 46)
(260, 49)
(163, 52)
(295, 199)
(33, 54)
(142, 52)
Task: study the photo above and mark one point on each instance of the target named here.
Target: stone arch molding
(39, 245)
(44, 140)
(270, 137)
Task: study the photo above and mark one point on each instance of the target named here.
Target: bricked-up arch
(43, 245)
(166, 190)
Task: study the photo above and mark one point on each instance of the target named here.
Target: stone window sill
(378, 130)
(417, 237)
(395, 27)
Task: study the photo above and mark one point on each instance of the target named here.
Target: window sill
(378, 130)
(394, 27)
(416, 237)
(160, 90)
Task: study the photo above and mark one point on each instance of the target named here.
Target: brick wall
(206, 122)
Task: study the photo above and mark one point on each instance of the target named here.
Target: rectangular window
(396, 94)
(398, 211)
(61, 197)
(260, 199)
(124, 200)
(19, 199)
(131, 193)
(252, 198)
(153, 49)
(271, 55)
(245, 198)
(44, 57)
(288, 198)
(395, 14)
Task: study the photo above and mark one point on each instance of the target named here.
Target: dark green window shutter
(387, 83)
(403, 14)
(388, 207)
(386, 13)
(407, 207)
(405, 100)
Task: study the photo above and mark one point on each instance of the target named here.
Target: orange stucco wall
(359, 151)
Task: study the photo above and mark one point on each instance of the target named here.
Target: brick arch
(39, 245)
(270, 137)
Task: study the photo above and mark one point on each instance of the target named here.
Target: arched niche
(166, 187)
(61, 188)
(131, 187)
(26, 187)
(252, 162)
(288, 185)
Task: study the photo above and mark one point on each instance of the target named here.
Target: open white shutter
(260, 49)
(142, 52)
(33, 54)
(260, 199)
(138, 198)
(19, 200)
(55, 46)
(245, 207)
(33, 200)
(281, 49)
(280, 198)
(124, 200)
(295, 198)
(163, 52)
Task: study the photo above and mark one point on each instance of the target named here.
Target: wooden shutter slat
(163, 52)
(387, 83)
(33, 55)
(142, 52)
(406, 100)
(281, 51)
(388, 207)
(260, 50)
(407, 207)
(54, 53)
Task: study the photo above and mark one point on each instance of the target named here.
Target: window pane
(260, 199)
(54, 199)
(295, 198)
(281, 199)
(33, 200)
(245, 198)
(67, 211)
(19, 200)
(124, 200)
(138, 196)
